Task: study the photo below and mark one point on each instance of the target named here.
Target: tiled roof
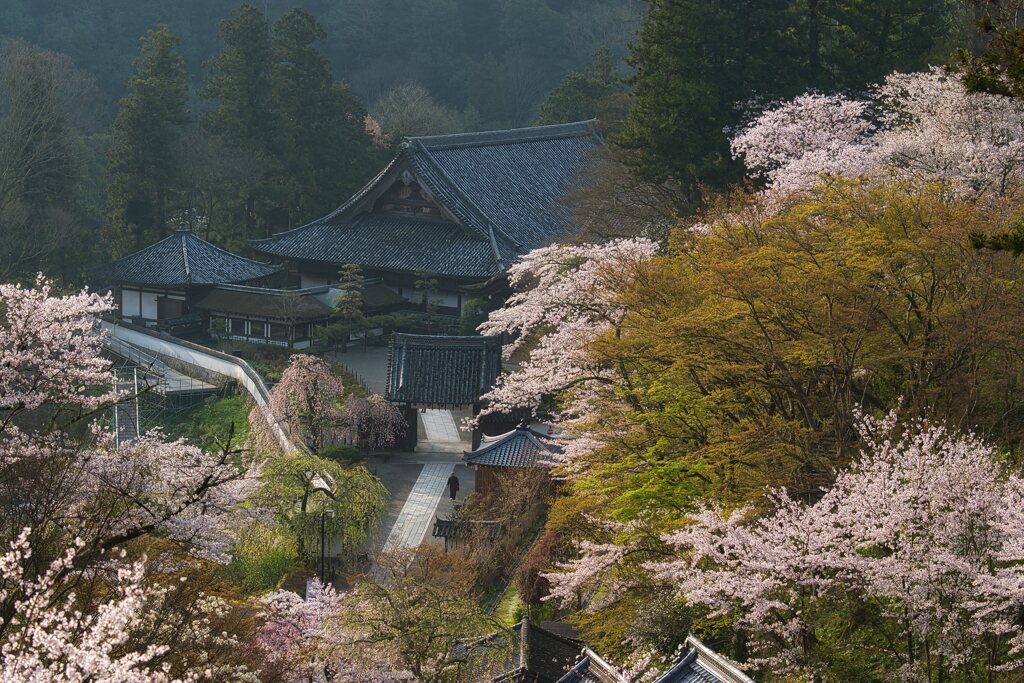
(442, 371)
(388, 243)
(511, 181)
(503, 188)
(526, 653)
(522, 447)
(703, 665)
(700, 664)
(183, 259)
(592, 669)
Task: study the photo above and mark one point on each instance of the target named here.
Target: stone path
(417, 514)
(440, 426)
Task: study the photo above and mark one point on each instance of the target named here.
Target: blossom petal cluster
(312, 639)
(923, 126)
(927, 524)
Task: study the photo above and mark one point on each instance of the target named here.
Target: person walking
(453, 485)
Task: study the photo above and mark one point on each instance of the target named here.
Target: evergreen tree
(694, 62)
(144, 165)
(40, 166)
(323, 145)
(848, 44)
(239, 79)
(699, 65)
(277, 101)
(348, 316)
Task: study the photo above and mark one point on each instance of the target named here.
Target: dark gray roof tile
(388, 243)
(442, 371)
(521, 447)
(181, 260)
(503, 187)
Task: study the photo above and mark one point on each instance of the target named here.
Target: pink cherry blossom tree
(58, 642)
(926, 530)
(312, 640)
(77, 499)
(307, 402)
(373, 422)
(563, 301)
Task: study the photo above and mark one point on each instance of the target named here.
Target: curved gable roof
(522, 447)
(502, 188)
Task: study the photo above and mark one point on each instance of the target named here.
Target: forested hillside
(492, 61)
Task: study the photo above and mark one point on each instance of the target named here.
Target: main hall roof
(500, 195)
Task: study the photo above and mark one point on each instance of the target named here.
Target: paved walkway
(440, 426)
(417, 514)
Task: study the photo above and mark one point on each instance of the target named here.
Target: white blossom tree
(926, 530)
(563, 301)
(916, 126)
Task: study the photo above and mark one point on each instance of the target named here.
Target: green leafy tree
(298, 487)
(426, 283)
(348, 308)
(596, 93)
(145, 163)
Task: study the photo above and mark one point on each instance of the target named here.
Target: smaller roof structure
(703, 665)
(429, 370)
(700, 664)
(591, 668)
(183, 260)
(522, 447)
(526, 653)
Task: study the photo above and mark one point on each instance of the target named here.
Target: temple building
(284, 317)
(186, 286)
(700, 664)
(440, 372)
(458, 208)
(159, 286)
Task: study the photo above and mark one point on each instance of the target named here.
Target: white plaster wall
(214, 363)
(130, 303)
(149, 305)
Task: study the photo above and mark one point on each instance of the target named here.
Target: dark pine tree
(239, 81)
(145, 163)
(323, 146)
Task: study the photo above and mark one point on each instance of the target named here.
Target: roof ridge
(184, 256)
(222, 250)
(455, 189)
(506, 136)
(445, 338)
(360, 193)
